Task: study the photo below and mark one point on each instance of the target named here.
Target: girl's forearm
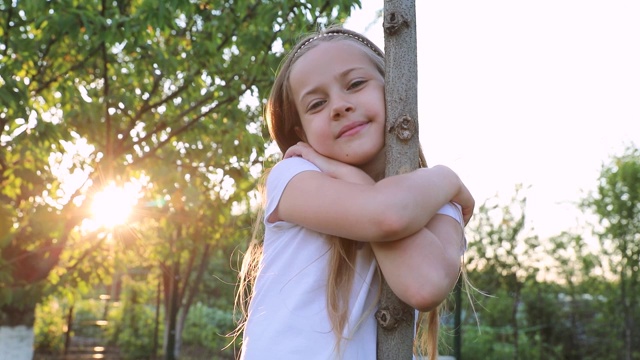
(331, 202)
(422, 268)
(410, 201)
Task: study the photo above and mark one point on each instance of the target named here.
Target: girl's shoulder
(288, 168)
(279, 177)
(295, 162)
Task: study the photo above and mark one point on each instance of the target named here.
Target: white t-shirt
(288, 314)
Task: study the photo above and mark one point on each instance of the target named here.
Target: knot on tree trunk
(393, 21)
(404, 127)
(390, 318)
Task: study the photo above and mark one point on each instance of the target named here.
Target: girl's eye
(314, 105)
(356, 84)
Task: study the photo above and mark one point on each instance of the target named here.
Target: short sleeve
(454, 210)
(280, 176)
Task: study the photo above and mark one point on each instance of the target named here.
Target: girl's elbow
(432, 293)
(426, 300)
(390, 226)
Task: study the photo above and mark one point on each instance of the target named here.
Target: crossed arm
(417, 249)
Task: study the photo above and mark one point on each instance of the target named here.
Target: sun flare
(113, 205)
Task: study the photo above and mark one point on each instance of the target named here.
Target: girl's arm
(423, 268)
(388, 210)
(331, 167)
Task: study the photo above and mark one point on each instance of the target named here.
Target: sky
(539, 93)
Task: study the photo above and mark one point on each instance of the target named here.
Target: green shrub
(50, 325)
(208, 327)
(132, 326)
(86, 314)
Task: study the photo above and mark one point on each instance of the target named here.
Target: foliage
(552, 325)
(86, 314)
(132, 323)
(163, 94)
(616, 202)
(208, 327)
(50, 325)
(567, 306)
(502, 258)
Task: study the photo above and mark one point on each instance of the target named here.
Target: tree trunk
(171, 276)
(156, 326)
(624, 304)
(172, 314)
(396, 319)
(457, 321)
(514, 320)
(189, 294)
(180, 321)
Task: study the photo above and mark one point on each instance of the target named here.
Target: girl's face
(339, 96)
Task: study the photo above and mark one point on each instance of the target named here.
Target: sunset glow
(113, 205)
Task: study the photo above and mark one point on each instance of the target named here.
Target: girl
(332, 222)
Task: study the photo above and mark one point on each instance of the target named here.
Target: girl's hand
(458, 194)
(466, 202)
(331, 167)
(305, 151)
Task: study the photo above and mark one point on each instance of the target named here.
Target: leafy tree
(502, 258)
(575, 308)
(616, 202)
(163, 93)
(561, 307)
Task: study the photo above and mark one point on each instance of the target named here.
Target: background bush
(50, 326)
(208, 327)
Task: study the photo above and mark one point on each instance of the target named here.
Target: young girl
(332, 222)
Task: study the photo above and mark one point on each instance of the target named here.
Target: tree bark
(396, 319)
(172, 313)
(172, 282)
(189, 294)
(457, 321)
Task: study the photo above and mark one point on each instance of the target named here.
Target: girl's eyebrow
(340, 75)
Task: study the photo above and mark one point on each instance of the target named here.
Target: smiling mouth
(351, 129)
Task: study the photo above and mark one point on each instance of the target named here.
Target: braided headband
(360, 39)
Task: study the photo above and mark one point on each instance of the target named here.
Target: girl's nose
(341, 108)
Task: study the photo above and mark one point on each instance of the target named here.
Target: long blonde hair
(282, 120)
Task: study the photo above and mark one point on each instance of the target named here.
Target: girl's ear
(300, 133)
